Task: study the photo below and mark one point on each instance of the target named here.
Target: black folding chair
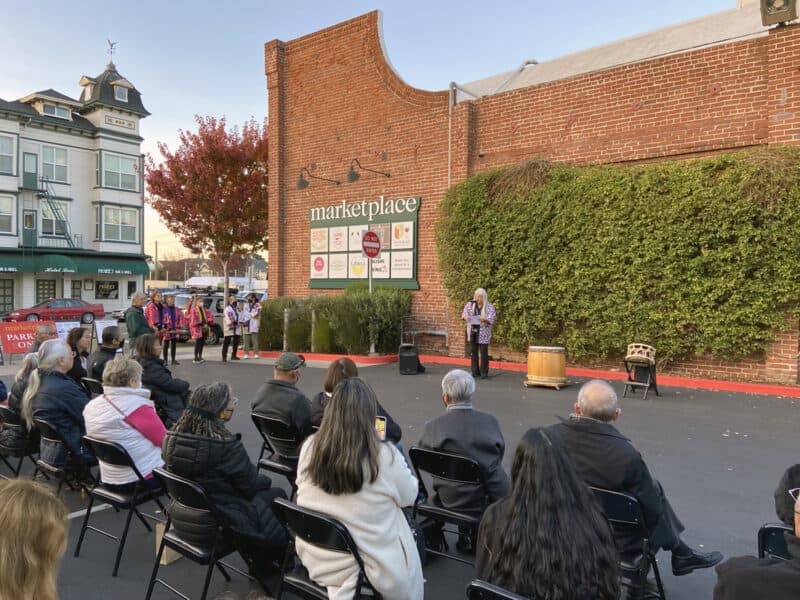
(283, 442)
(320, 530)
(27, 441)
(481, 590)
(71, 469)
(772, 542)
(94, 386)
(452, 468)
(624, 514)
(190, 495)
(115, 455)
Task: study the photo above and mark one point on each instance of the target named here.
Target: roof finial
(111, 49)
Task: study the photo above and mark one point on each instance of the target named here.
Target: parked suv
(215, 304)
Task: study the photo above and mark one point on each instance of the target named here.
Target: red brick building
(334, 97)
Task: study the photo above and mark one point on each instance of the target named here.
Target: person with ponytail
(201, 448)
(548, 538)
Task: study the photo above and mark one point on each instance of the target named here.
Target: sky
(198, 57)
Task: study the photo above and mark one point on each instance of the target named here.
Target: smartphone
(380, 428)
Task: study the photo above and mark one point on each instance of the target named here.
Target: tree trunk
(225, 292)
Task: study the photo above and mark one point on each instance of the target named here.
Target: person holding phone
(480, 315)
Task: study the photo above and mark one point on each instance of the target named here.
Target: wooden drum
(547, 366)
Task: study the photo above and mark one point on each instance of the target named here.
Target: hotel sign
(117, 122)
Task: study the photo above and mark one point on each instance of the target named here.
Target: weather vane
(111, 49)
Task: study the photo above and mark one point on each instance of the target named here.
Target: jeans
(250, 339)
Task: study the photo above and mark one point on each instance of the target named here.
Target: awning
(56, 263)
(14, 263)
(107, 265)
(69, 263)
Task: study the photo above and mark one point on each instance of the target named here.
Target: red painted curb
(664, 380)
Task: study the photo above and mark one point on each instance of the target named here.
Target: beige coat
(378, 526)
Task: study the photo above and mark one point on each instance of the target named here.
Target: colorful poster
(319, 266)
(403, 235)
(380, 266)
(319, 240)
(337, 266)
(402, 265)
(357, 266)
(356, 232)
(382, 229)
(337, 239)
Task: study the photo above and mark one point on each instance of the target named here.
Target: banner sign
(336, 255)
(17, 336)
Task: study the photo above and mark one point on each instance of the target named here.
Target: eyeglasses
(794, 493)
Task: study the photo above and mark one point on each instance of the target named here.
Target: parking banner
(17, 337)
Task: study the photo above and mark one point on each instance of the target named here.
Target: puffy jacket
(168, 393)
(60, 401)
(223, 469)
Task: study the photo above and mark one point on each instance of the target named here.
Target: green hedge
(695, 256)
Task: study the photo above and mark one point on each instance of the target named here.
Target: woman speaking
(480, 315)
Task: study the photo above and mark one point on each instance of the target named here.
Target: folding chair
(94, 386)
(188, 494)
(481, 590)
(28, 441)
(115, 455)
(452, 468)
(320, 530)
(772, 542)
(70, 469)
(624, 514)
(283, 443)
(640, 369)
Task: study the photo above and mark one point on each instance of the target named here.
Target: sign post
(371, 245)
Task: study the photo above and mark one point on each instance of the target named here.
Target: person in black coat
(79, 340)
(110, 342)
(200, 448)
(281, 398)
(168, 393)
(339, 370)
(19, 438)
(604, 458)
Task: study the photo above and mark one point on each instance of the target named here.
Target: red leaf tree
(212, 191)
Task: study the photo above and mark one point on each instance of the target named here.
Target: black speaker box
(409, 359)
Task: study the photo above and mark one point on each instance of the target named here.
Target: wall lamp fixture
(302, 182)
(353, 175)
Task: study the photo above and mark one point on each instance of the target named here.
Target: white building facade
(72, 195)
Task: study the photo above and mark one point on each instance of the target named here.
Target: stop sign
(371, 244)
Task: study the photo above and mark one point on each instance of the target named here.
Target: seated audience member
(44, 332)
(471, 433)
(33, 537)
(124, 414)
(344, 471)
(604, 458)
(168, 393)
(53, 396)
(748, 577)
(547, 502)
(200, 447)
(281, 398)
(79, 340)
(13, 437)
(110, 343)
(338, 370)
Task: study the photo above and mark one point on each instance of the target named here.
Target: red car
(58, 309)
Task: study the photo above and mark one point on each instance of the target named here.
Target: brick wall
(334, 97)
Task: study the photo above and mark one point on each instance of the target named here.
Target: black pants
(170, 346)
(227, 342)
(483, 371)
(199, 343)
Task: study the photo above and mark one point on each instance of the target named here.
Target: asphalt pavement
(718, 455)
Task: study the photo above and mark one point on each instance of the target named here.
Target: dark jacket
(15, 396)
(96, 363)
(168, 393)
(136, 324)
(393, 431)
(476, 435)
(223, 469)
(751, 578)
(60, 401)
(282, 400)
(77, 372)
(16, 437)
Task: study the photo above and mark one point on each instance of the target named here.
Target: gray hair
(459, 386)
(48, 355)
(43, 331)
(138, 296)
(121, 371)
(598, 400)
(482, 293)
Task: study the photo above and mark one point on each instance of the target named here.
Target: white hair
(482, 293)
(49, 354)
(598, 400)
(458, 386)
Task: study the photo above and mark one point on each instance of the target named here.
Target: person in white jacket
(124, 414)
(346, 472)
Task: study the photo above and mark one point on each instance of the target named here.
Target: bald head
(597, 400)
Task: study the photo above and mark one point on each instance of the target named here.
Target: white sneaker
(256, 356)
(245, 357)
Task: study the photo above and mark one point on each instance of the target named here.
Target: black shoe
(485, 376)
(224, 359)
(175, 363)
(464, 544)
(235, 358)
(683, 565)
(476, 373)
